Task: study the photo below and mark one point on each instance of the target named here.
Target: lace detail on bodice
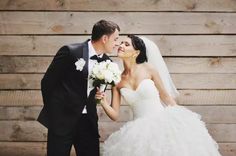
(145, 100)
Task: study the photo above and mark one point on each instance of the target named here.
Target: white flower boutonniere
(80, 64)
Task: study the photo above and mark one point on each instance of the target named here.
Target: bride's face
(126, 49)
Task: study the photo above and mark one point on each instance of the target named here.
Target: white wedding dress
(157, 130)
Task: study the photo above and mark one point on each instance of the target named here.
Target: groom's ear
(104, 39)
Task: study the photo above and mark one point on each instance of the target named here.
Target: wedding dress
(157, 130)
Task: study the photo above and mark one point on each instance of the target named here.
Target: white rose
(108, 76)
(100, 75)
(80, 64)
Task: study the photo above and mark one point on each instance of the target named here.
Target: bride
(160, 126)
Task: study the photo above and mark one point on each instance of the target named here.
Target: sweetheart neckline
(137, 86)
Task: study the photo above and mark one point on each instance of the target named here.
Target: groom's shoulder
(76, 46)
(74, 49)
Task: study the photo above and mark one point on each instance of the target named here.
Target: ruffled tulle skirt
(176, 131)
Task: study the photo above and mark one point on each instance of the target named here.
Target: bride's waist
(151, 100)
(147, 110)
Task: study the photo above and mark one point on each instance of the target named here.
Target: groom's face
(111, 42)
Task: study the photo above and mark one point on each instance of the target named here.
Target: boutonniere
(80, 64)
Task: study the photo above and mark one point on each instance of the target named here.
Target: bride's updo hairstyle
(138, 44)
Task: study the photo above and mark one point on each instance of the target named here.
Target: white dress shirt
(91, 63)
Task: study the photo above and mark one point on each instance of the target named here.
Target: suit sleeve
(55, 72)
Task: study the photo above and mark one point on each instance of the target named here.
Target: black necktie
(96, 57)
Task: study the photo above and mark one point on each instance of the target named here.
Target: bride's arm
(111, 110)
(165, 97)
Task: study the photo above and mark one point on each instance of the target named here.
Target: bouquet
(104, 73)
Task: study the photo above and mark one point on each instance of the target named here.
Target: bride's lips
(120, 50)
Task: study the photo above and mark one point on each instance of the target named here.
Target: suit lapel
(85, 57)
(85, 69)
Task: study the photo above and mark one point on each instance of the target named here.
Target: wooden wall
(196, 37)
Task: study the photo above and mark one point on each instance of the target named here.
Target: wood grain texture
(20, 81)
(113, 5)
(148, 22)
(31, 113)
(170, 45)
(196, 37)
(39, 149)
(27, 98)
(207, 97)
(215, 114)
(204, 81)
(21, 98)
(22, 64)
(33, 131)
(210, 114)
(182, 81)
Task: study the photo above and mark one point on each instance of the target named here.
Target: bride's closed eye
(125, 43)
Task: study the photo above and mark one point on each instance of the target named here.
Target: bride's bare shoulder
(148, 66)
(151, 69)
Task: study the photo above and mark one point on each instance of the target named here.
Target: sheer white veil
(154, 57)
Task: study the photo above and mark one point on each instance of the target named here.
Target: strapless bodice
(145, 100)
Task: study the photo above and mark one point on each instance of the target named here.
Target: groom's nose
(118, 44)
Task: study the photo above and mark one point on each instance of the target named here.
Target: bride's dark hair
(138, 44)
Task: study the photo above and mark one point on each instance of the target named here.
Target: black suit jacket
(64, 91)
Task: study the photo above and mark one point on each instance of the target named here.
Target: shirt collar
(92, 51)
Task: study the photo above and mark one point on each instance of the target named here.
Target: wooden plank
(170, 45)
(148, 22)
(222, 132)
(207, 97)
(215, 114)
(210, 114)
(201, 65)
(32, 112)
(227, 149)
(25, 64)
(26, 149)
(39, 149)
(36, 45)
(23, 148)
(113, 5)
(19, 113)
(182, 81)
(187, 97)
(21, 98)
(195, 45)
(33, 131)
(20, 81)
(204, 81)
(22, 131)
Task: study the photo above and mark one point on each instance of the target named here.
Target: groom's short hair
(103, 27)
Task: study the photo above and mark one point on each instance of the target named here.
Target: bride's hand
(100, 95)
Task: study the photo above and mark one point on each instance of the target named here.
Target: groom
(69, 110)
